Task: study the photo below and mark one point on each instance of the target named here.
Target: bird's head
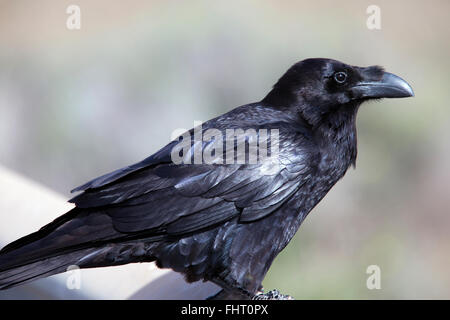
(317, 87)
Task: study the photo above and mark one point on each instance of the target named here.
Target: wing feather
(175, 199)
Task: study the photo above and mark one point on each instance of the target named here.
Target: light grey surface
(172, 286)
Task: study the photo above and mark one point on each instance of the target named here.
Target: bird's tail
(75, 238)
(31, 271)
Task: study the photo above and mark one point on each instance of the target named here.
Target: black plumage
(216, 221)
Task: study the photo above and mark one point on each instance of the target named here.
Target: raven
(226, 219)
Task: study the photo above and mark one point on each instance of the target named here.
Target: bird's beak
(389, 86)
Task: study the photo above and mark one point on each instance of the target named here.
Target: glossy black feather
(212, 221)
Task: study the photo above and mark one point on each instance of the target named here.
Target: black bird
(221, 221)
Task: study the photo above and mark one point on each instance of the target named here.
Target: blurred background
(75, 104)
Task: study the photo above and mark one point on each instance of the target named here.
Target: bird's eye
(340, 77)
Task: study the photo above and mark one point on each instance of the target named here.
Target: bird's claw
(272, 295)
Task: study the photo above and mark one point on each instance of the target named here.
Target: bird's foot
(272, 295)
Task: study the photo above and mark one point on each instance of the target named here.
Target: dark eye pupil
(340, 77)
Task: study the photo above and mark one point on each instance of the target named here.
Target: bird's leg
(231, 292)
(218, 296)
(239, 293)
(235, 294)
(271, 295)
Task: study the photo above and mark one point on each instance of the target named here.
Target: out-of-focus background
(75, 104)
